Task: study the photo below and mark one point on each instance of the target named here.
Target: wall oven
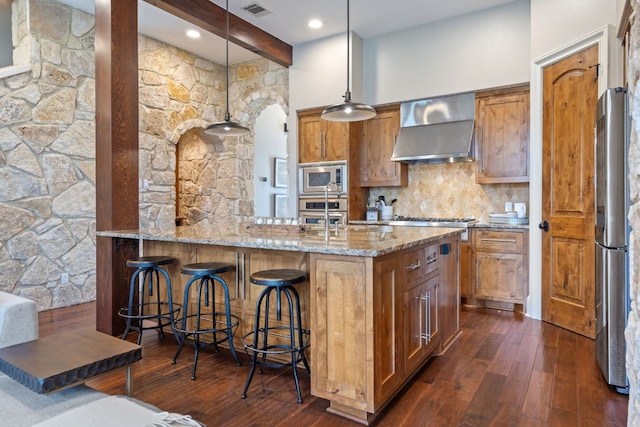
(312, 210)
(314, 177)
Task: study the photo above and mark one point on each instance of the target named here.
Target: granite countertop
(354, 240)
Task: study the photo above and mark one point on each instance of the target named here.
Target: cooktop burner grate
(432, 221)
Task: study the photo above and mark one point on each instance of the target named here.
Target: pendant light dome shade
(227, 127)
(348, 111)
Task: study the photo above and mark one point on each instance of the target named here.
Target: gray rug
(20, 406)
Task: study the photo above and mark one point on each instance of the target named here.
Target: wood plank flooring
(505, 370)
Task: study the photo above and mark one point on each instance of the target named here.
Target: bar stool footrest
(249, 338)
(123, 312)
(222, 329)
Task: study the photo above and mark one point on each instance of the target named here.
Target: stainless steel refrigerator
(612, 235)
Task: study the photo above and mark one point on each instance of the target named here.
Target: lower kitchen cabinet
(500, 267)
(377, 321)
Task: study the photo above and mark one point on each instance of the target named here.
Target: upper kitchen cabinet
(376, 147)
(321, 140)
(502, 135)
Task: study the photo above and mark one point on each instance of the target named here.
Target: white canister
(386, 213)
(521, 209)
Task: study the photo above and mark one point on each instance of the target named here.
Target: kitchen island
(379, 301)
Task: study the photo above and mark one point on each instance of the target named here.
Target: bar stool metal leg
(223, 323)
(138, 308)
(292, 342)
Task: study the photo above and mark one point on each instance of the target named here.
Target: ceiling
(288, 20)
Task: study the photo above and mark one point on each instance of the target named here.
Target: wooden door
(568, 258)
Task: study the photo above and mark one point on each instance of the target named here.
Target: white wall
(555, 23)
(270, 142)
(475, 51)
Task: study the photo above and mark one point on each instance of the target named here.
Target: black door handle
(544, 225)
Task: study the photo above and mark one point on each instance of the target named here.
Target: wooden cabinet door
(341, 345)
(310, 139)
(502, 136)
(320, 140)
(336, 140)
(421, 325)
(465, 271)
(387, 323)
(499, 276)
(449, 290)
(376, 147)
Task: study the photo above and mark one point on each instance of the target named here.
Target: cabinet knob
(544, 226)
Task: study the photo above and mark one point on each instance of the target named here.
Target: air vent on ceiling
(256, 10)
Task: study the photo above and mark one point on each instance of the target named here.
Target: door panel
(568, 273)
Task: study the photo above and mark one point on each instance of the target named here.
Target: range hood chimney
(436, 130)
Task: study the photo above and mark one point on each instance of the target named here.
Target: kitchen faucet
(332, 186)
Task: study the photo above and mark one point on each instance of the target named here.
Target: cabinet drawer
(413, 264)
(499, 241)
(431, 258)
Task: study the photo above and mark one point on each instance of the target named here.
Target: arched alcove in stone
(212, 178)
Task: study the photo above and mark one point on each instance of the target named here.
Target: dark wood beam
(116, 153)
(211, 17)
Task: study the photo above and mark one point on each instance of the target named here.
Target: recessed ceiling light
(315, 23)
(193, 34)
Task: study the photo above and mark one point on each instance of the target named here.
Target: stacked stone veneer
(47, 145)
(632, 333)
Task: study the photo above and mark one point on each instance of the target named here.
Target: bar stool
(206, 320)
(139, 309)
(286, 338)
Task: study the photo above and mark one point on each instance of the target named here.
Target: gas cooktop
(432, 222)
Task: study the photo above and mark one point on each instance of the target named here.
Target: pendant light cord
(227, 116)
(347, 95)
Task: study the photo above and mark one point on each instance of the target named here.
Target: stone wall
(177, 95)
(47, 145)
(632, 333)
(47, 167)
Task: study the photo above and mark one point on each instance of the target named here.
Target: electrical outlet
(64, 278)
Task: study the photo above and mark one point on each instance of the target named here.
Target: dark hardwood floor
(505, 370)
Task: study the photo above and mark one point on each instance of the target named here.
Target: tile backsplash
(450, 190)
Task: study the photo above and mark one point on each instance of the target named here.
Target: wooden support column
(116, 153)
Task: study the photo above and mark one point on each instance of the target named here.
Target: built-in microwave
(313, 178)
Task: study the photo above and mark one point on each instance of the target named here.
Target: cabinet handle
(242, 273)
(237, 275)
(431, 259)
(488, 240)
(427, 309)
(323, 146)
(412, 267)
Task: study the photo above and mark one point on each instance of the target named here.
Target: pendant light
(348, 111)
(227, 127)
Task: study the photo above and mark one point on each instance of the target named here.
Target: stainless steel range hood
(436, 130)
